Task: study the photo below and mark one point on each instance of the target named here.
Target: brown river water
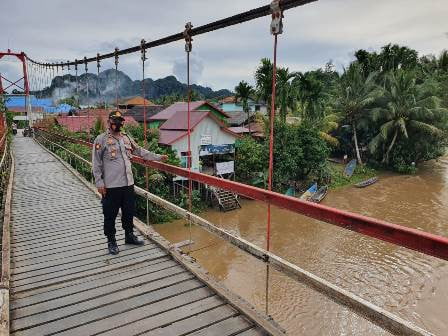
(412, 285)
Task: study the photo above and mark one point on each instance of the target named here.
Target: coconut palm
(286, 91)
(327, 125)
(244, 92)
(263, 80)
(357, 93)
(311, 95)
(408, 110)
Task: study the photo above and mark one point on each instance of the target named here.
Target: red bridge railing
(414, 239)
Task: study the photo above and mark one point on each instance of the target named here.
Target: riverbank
(361, 173)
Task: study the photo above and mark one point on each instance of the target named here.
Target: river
(412, 285)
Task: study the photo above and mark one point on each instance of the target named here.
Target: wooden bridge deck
(63, 281)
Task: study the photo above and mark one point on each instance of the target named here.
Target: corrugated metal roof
(137, 112)
(167, 137)
(239, 129)
(137, 101)
(83, 123)
(179, 121)
(183, 106)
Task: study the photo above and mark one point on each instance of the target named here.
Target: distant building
(42, 105)
(87, 120)
(137, 112)
(133, 102)
(231, 104)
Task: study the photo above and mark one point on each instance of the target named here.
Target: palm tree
(263, 80)
(244, 92)
(327, 125)
(311, 95)
(286, 91)
(356, 94)
(408, 111)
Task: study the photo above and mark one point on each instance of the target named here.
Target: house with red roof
(84, 123)
(212, 143)
(158, 119)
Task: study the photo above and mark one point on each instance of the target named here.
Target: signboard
(225, 167)
(206, 139)
(216, 149)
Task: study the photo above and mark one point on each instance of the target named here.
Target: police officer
(112, 170)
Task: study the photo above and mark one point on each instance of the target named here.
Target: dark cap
(116, 115)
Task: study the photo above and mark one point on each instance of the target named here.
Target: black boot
(130, 238)
(112, 246)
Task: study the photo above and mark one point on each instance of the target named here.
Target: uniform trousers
(116, 198)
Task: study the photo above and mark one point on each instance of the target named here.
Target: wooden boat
(310, 192)
(366, 183)
(319, 195)
(350, 168)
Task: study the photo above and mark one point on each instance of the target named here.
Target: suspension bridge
(58, 279)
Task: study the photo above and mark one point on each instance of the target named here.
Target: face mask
(116, 125)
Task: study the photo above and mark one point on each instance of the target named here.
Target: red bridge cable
(271, 141)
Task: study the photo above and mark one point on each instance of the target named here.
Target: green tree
(409, 112)
(70, 101)
(311, 95)
(263, 80)
(299, 151)
(286, 91)
(251, 159)
(356, 94)
(244, 92)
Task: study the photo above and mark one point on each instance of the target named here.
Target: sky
(55, 30)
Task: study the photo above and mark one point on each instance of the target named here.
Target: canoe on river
(310, 192)
(350, 168)
(319, 195)
(366, 183)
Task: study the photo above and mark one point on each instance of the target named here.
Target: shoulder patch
(97, 146)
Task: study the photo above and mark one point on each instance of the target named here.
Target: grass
(338, 180)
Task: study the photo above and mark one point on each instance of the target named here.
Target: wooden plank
(4, 312)
(167, 317)
(227, 327)
(78, 265)
(49, 242)
(29, 248)
(252, 332)
(105, 294)
(83, 251)
(89, 278)
(27, 284)
(55, 235)
(195, 322)
(29, 254)
(50, 229)
(70, 317)
(46, 235)
(71, 259)
(149, 304)
(84, 284)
